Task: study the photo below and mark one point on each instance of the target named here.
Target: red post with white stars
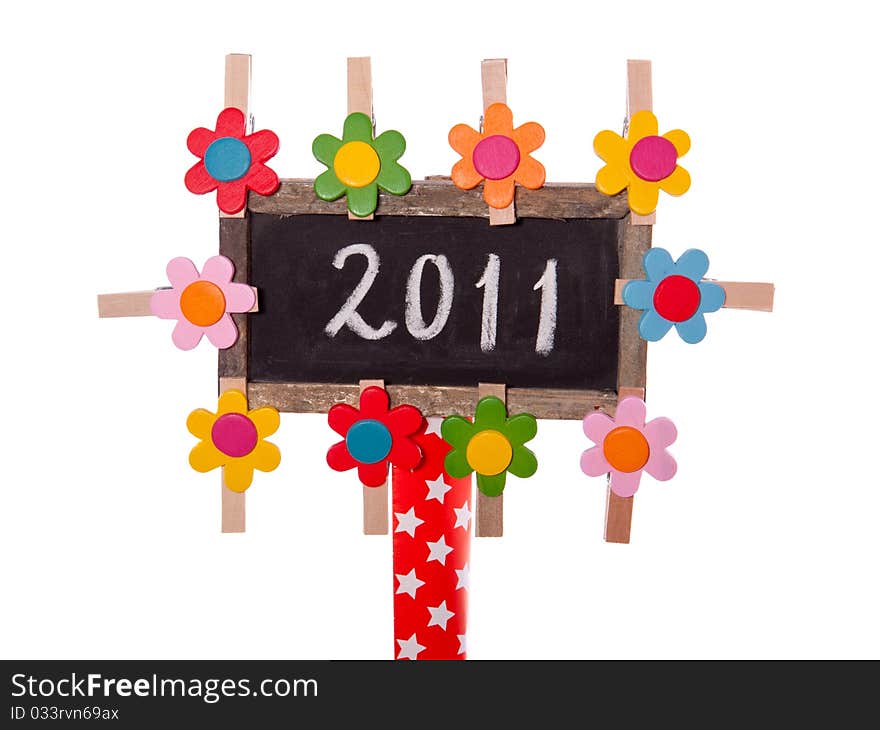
(432, 545)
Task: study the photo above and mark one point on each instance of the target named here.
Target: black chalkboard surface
(543, 315)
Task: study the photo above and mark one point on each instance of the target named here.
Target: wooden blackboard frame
(439, 197)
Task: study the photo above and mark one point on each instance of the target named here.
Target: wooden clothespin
(490, 510)
(639, 97)
(137, 304)
(494, 77)
(360, 99)
(237, 94)
(375, 498)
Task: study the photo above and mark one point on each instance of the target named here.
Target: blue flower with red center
(231, 161)
(374, 436)
(674, 293)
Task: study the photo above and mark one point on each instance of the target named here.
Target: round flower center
(368, 441)
(227, 159)
(234, 434)
(676, 298)
(626, 449)
(356, 164)
(203, 303)
(489, 453)
(496, 157)
(653, 158)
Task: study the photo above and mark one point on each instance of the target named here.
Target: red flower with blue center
(374, 436)
(231, 161)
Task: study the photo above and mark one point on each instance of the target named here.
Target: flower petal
(642, 124)
(232, 196)
(374, 403)
(181, 272)
(456, 464)
(199, 140)
(205, 456)
(262, 145)
(339, 458)
(463, 139)
(373, 475)
(165, 304)
(238, 474)
(611, 147)
(521, 428)
(692, 330)
(491, 413)
(390, 145)
(631, 412)
(596, 426)
(524, 463)
(693, 264)
(232, 401)
(198, 180)
(200, 422)
(357, 127)
(456, 431)
(528, 137)
(404, 420)
(677, 183)
(265, 457)
(262, 179)
(498, 193)
(653, 327)
(712, 296)
(491, 486)
(658, 264)
(625, 484)
(328, 186)
(661, 465)
(266, 419)
(239, 297)
(325, 147)
(639, 294)
(231, 123)
(498, 119)
(530, 173)
(680, 140)
(362, 201)
(186, 335)
(218, 269)
(643, 196)
(341, 416)
(594, 463)
(661, 432)
(394, 178)
(223, 333)
(611, 179)
(405, 453)
(465, 175)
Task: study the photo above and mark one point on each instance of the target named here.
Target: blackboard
(415, 331)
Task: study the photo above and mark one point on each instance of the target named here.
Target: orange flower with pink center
(499, 155)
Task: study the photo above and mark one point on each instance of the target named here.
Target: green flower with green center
(491, 446)
(358, 165)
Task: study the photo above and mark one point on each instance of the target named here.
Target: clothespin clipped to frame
(494, 78)
(639, 97)
(360, 99)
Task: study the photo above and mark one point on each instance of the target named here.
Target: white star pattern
(434, 425)
(409, 583)
(409, 648)
(464, 577)
(440, 615)
(437, 489)
(462, 643)
(463, 516)
(407, 522)
(438, 551)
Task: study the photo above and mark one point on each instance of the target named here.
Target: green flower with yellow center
(491, 446)
(358, 165)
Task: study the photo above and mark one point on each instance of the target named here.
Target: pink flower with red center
(626, 446)
(231, 161)
(374, 436)
(201, 302)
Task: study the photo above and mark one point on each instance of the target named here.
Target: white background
(764, 545)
